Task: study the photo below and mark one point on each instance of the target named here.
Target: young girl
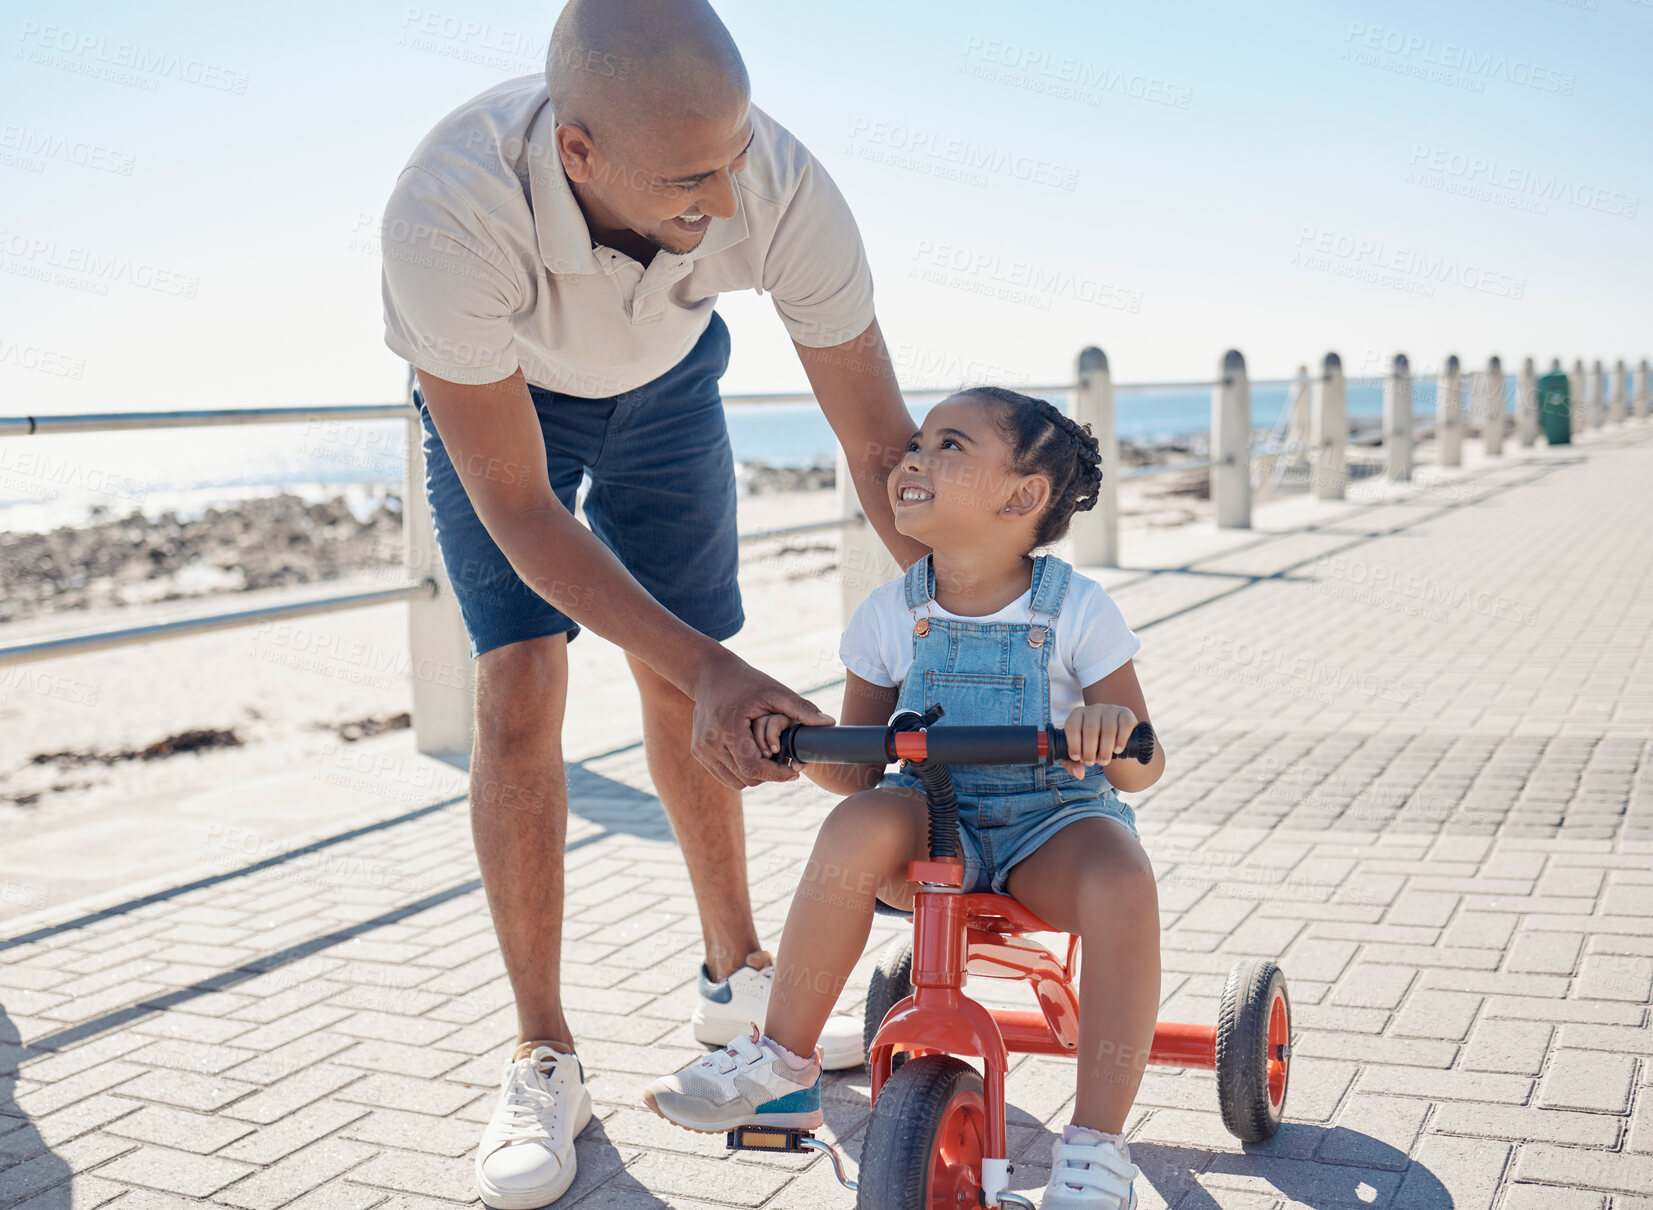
(997, 637)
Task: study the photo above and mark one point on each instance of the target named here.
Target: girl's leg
(863, 847)
(1092, 878)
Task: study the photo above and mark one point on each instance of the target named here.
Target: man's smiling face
(665, 185)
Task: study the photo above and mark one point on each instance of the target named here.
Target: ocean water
(67, 479)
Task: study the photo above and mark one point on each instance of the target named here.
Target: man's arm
(855, 385)
(492, 436)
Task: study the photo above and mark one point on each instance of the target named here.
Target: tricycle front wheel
(926, 1139)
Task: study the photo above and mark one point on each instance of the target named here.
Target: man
(552, 255)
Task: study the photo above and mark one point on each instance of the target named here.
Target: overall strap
(918, 584)
(1050, 585)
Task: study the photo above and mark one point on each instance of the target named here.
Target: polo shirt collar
(559, 223)
(724, 233)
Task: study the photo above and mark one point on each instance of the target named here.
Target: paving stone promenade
(1409, 742)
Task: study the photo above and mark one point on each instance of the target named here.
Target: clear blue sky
(1228, 175)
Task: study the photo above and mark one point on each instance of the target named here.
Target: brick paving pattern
(1409, 759)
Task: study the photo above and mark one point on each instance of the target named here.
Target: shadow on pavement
(613, 806)
(1368, 1172)
(27, 1165)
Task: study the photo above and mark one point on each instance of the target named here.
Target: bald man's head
(652, 103)
(624, 69)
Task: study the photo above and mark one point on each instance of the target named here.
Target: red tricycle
(937, 1134)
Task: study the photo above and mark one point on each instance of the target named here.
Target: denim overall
(997, 674)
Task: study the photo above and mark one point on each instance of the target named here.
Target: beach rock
(264, 542)
(761, 479)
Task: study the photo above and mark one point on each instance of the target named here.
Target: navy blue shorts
(662, 499)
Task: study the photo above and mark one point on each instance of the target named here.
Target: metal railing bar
(1204, 384)
(1054, 388)
(91, 422)
(102, 422)
(808, 527)
(1166, 468)
(762, 397)
(98, 640)
(96, 422)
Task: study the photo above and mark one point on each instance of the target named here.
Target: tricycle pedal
(787, 1138)
(768, 1138)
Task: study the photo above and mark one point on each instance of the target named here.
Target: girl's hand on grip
(1095, 735)
(766, 732)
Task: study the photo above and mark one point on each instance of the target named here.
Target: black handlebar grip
(1139, 745)
(834, 745)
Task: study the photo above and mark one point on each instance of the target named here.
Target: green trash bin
(1555, 409)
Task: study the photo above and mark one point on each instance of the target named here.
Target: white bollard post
(1526, 405)
(1644, 391)
(1331, 430)
(1598, 395)
(1579, 414)
(1491, 410)
(443, 670)
(1231, 444)
(1619, 394)
(1096, 533)
(1397, 421)
(1449, 414)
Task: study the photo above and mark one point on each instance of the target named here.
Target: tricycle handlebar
(943, 745)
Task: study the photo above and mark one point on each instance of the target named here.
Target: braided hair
(1044, 440)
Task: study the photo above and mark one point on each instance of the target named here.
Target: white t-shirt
(489, 266)
(1091, 639)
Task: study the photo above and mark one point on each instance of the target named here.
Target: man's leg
(519, 820)
(705, 816)
(519, 806)
(663, 498)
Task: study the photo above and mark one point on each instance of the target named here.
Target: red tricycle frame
(983, 934)
(943, 1143)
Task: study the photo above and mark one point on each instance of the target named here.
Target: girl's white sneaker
(746, 1084)
(1089, 1171)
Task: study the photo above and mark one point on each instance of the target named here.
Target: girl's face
(955, 482)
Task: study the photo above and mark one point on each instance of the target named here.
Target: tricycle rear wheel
(1253, 1050)
(926, 1139)
(892, 982)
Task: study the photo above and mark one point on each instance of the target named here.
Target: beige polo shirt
(489, 266)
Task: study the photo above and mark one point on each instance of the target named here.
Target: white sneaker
(746, 1084)
(526, 1159)
(726, 1009)
(1089, 1171)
